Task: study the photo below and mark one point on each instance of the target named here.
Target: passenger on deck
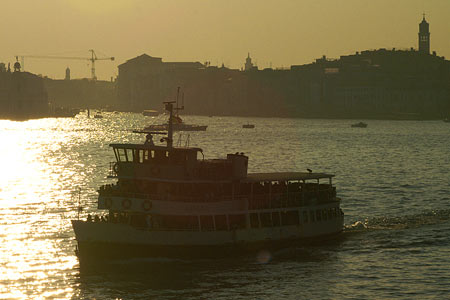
(149, 140)
(89, 218)
(148, 220)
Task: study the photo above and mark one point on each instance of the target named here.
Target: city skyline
(276, 33)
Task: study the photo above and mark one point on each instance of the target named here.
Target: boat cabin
(150, 161)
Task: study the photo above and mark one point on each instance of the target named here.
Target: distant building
(81, 93)
(424, 36)
(22, 96)
(145, 81)
(382, 83)
(248, 64)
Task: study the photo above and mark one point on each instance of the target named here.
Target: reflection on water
(392, 176)
(220, 278)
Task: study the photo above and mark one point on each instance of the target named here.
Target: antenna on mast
(182, 101)
(169, 139)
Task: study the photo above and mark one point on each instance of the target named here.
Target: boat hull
(91, 252)
(99, 242)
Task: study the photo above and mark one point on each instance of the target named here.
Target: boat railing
(256, 201)
(108, 192)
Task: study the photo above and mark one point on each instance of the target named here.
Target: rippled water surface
(393, 177)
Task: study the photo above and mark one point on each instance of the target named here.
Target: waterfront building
(145, 81)
(22, 95)
(383, 83)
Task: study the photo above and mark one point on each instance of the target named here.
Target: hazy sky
(275, 32)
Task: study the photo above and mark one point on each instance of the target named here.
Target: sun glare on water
(31, 205)
(24, 150)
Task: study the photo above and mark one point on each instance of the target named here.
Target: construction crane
(93, 58)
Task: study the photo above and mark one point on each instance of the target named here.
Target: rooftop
(153, 147)
(284, 176)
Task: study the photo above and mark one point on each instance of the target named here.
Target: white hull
(126, 234)
(102, 240)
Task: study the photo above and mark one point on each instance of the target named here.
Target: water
(393, 178)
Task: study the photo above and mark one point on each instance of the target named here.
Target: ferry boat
(172, 202)
(248, 126)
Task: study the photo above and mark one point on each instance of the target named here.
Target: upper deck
(285, 176)
(175, 163)
(163, 164)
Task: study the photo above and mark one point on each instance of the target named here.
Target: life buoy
(108, 202)
(155, 171)
(146, 205)
(116, 168)
(126, 203)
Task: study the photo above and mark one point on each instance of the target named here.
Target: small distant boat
(177, 123)
(360, 125)
(150, 113)
(176, 127)
(98, 116)
(248, 126)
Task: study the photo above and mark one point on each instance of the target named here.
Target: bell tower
(424, 36)
(248, 63)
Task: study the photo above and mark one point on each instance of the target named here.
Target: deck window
(207, 223)
(221, 222)
(237, 221)
(312, 216)
(266, 219)
(254, 221)
(137, 154)
(276, 218)
(290, 218)
(121, 155)
(319, 215)
(179, 222)
(305, 217)
(129, 155)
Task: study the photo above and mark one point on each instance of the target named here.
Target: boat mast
(178, 108)
(178, 94)
(169, 108)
